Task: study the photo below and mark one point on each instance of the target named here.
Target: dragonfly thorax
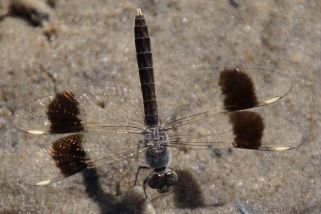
(157, 153)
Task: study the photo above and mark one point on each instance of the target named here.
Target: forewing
(83, 109)
(219, 90)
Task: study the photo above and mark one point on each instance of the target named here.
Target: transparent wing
(83, 109)
(53, 161)
(218, 107)
(256, 129)
(212, 91)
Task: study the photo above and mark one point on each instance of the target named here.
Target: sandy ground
(83, 43)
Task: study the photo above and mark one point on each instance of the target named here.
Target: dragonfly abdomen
(146, 70)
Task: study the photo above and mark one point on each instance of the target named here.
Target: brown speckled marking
(69, 154)
(63, 114)
(248, 129)
(238, 90)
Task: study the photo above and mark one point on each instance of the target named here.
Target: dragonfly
(216, 107)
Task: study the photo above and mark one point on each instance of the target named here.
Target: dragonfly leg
(144, 186)
(139, 168)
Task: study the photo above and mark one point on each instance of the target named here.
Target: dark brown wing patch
(69, 155)
(248, 129)
(63, 114)
(238, 90)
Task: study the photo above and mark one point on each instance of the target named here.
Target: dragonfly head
(162, 179)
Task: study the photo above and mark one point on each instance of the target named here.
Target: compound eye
(171, 178)
(156, 181)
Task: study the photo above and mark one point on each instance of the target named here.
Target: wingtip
(42, 183)
(36, 132)
(276, 148)
(271, 100)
